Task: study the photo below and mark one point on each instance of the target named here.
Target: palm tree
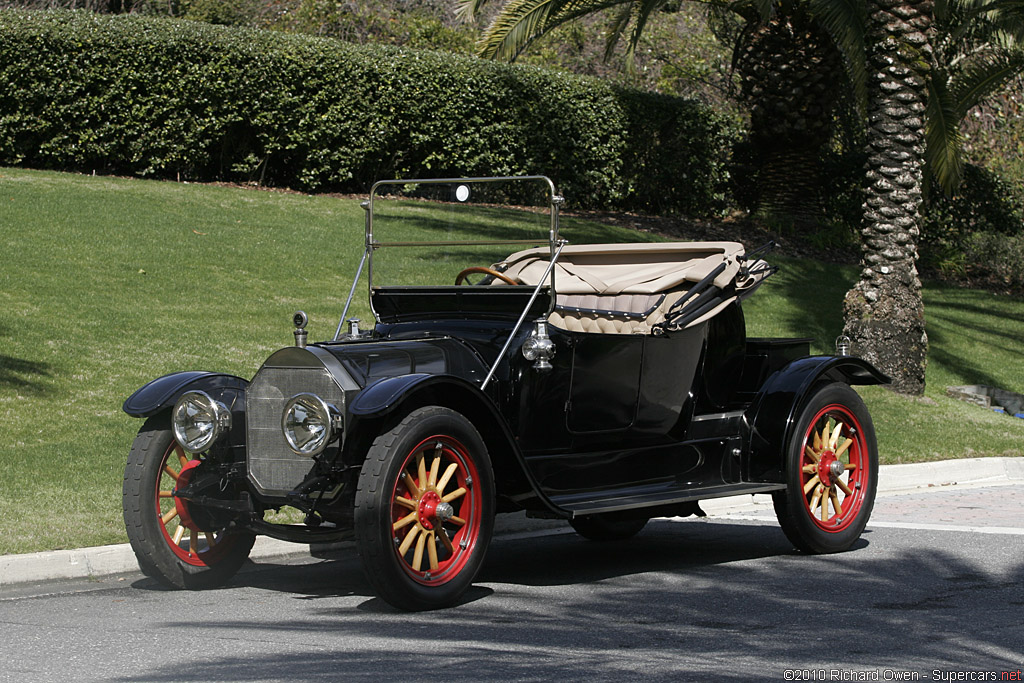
(884, 313)
(786, 63)
(930, 64)
(899, 81)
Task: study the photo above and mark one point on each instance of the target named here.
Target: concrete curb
(119, 559)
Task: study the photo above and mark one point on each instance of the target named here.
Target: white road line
(1005, 530)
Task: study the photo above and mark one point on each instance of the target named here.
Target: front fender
(164, 391)
(773, 414)
(512, 476)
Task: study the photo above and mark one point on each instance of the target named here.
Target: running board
(579, 504)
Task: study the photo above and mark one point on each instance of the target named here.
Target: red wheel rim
(187, 541)
(436, 510)
(834, 468)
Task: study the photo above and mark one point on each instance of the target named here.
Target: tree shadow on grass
(24, 375)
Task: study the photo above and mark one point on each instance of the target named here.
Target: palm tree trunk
(883, 311)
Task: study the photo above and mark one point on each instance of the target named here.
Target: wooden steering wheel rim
(487, 271)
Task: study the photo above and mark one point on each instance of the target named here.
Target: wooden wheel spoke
(446, 477)
(814, 481)
(421, 468)
(417, 556)
(817, 440)
(816, 498)
(169, 515)
(810, 453)
(432, 550)
(832, 440)
(181, 456)
(457, 493)
(211, 540)
(842, 484)
(414, 490)
(405, 502)
(179, 533)
(170, 473)
(457, 521)
(409, 538)
(165, 494)
(850, 466)
(193, 541)
(405, 521)
(809, 469)
(835, 501)
(434, 468)
(842, 449)
(445, 541)
(824, 507)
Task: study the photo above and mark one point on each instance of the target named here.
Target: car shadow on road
(682, 601)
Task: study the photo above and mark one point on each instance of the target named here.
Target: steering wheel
(486, 271)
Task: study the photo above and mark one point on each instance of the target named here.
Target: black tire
(607, 527)
(199, 558)
(822, 509)
(418, 555)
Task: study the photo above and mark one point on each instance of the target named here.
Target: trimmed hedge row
(178, 99)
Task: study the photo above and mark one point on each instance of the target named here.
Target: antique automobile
(600, 383)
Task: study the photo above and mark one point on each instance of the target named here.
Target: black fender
(399, 395)
(773, 414)
(163, 392)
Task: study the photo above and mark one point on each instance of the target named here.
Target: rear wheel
(832, 472)
(425, 509)
(170, 541)
(607, 527)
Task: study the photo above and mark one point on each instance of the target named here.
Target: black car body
(602, 384)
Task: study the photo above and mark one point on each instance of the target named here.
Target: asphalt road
(935, 588)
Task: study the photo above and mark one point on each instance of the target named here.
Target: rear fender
(163, 393)
(379, 404)
(773, 414)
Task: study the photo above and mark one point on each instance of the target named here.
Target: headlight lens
(309, 423)
(198, 420)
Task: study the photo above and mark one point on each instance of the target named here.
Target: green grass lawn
(107, 283)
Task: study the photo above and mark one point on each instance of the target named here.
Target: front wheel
(424, 509)
(170, 544)
(832, 472)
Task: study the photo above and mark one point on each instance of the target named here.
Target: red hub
(428, 509)
(825, 467)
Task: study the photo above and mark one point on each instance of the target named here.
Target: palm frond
(520, 22)
(983, 76)
(943, 141)
(467, 10)
(617, 28)
(845, 21)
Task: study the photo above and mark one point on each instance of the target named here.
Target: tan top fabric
(627, 288)
(646, 268)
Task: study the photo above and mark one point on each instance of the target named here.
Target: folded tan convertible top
(621, 288)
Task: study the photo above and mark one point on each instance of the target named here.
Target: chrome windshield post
(359, 272)
(519, 323)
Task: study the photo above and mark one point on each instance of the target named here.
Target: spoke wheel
(424, 509)
(832, 472)
(170, 542)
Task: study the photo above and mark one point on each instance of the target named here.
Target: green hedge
(178, 99)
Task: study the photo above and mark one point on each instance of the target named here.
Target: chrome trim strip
(717, 416)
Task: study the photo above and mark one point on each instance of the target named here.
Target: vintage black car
(604, 384)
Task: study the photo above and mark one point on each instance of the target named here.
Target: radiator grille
(273, 468)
